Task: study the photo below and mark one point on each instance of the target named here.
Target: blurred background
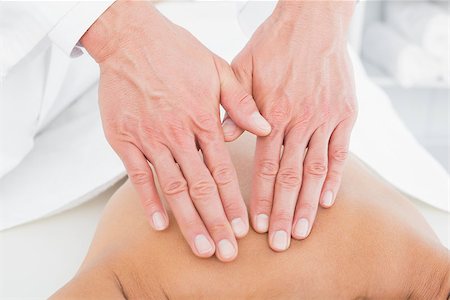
(404, 46)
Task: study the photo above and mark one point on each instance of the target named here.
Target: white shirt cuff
(67, 33)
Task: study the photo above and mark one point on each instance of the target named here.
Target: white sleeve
(26, 26)
(67, 33)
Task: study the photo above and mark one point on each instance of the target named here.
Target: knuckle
(223, 174)
(175, 186)
(304, 117)
(289, 178)
(333, 177)
(202, 189)
(139, 177)
(208, 124)
(191, 224)
(232, 208)
(339, 154)
(149, 204)
(317, 169)
(218, 228)
(121, 130)
(284, 217)
(268, 168)
(264, 204)
(307, 208)
(279, 113)
(178, 133)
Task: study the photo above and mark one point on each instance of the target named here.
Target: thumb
(240, 105)
(230, 130)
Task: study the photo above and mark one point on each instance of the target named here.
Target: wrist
(328, 19)
(114, 29)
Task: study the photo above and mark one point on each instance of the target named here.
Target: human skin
(372, 245)
(297, 68)
(159, 96)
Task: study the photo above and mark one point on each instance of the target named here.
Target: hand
(159, 99)
(297, 68)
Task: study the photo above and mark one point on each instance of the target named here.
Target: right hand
(160, 91)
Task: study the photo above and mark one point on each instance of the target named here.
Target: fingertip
(229, 127)
(262, 127)
(230, 130)
(203, 246)
(227, 250)
(327, 199)
(159, 221)
(301, 229)
(240, 228)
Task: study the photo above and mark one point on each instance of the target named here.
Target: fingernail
(262, 223)
(280, 240)
(226, 249)
(261, 123)
(158, 221)
(238, 227)
(301, 228)
(327, 198)
(202, 244)
(229, 127)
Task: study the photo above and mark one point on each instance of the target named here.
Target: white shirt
(44, 35)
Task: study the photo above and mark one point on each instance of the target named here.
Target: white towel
(406, 62)
(425, 24)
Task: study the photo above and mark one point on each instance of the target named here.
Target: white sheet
(71, 161)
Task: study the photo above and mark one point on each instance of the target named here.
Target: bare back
(372, 243)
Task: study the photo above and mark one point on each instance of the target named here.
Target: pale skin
(160, 91)
(297, 68)
(372, 245)
(159, 94)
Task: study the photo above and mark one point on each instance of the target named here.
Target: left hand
(297, 67)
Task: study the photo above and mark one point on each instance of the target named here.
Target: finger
(204, 194)
(141, 176)
(175, 190)
(239, 104)
(267, 158)
(314, 172)
(230, 130)
(287, 187)
(219, 163)
(337, 155)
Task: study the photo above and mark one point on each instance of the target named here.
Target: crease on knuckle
(339, 154)
(279, 114)
(202, 189)
(175, 187)
(178, 133)
(190, 224)
(316, 169)
(218, 228)
(289, 178)
(334, 176)
(149, 204)
(307, 208)
(232, 208)
(268, 168)
(208, 124)
(264, 205)
(223, 174)
(121, 130)
(139, 177)
(284, 217)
